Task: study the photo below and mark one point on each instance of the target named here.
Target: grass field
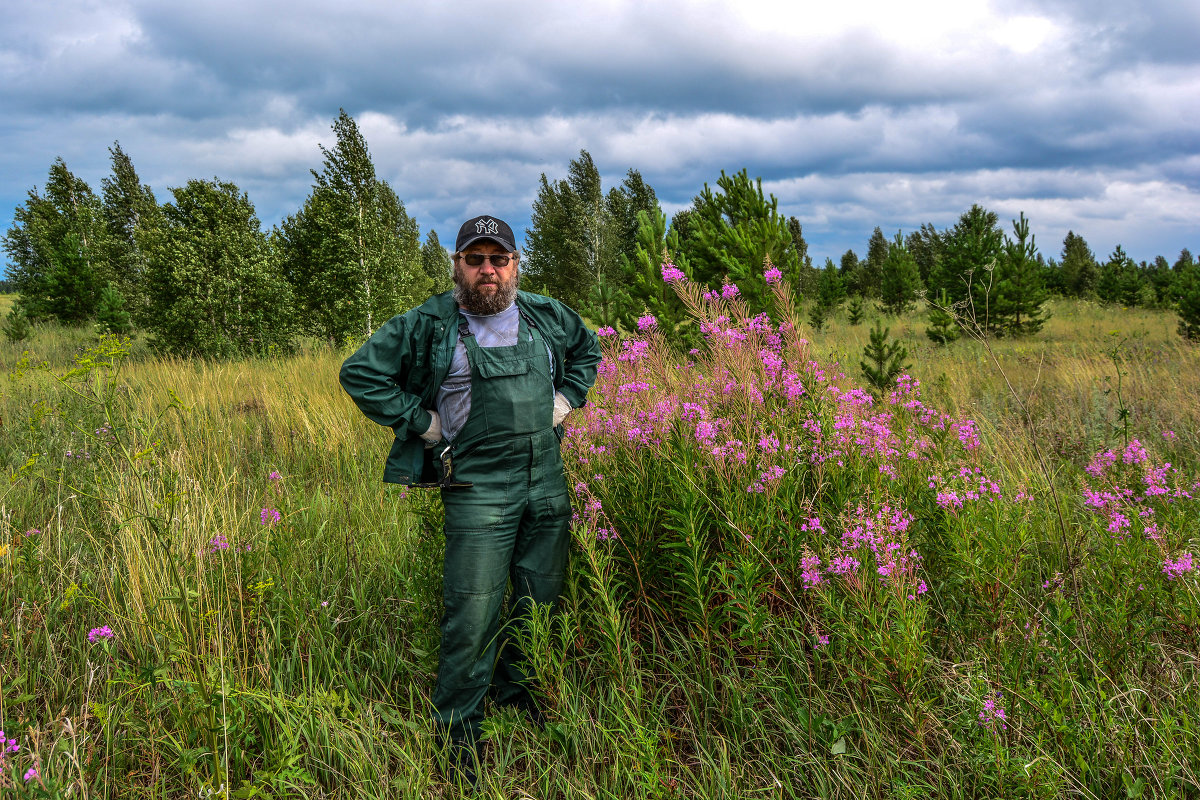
(927, 595)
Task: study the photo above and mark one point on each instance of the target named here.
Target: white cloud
(857, 113)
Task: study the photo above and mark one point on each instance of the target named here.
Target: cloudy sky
(1084, 114)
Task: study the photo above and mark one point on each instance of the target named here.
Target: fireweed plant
(748, 510)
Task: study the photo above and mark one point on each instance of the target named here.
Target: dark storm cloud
(855, 115)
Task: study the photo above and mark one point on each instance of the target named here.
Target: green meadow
(977, 585)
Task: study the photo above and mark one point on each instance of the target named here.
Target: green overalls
(511, 524)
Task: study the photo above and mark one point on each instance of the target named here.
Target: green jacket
(394, 377)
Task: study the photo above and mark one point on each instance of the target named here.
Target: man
(475, 383)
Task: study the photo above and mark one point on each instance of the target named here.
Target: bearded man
(475, 384)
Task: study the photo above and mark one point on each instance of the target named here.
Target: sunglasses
(477, 259)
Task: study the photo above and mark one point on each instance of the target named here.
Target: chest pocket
(496, 368)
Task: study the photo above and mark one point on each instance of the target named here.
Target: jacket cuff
(420, 422)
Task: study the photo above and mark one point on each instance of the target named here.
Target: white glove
(562, 407)
(434, 434)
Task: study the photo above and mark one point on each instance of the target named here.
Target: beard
(478, 300)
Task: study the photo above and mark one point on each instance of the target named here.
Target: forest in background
(200, 276)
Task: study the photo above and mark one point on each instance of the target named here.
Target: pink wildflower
(810, 571)
(646, 322)
(269, 516)
(1177, 569)
(773, 275)
(96, 634)
(672, 274)
(993, 714)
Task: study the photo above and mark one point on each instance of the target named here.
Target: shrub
(16, 324)
(884, 360)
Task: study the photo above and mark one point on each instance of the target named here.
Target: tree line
(200, 276)
(605, 254)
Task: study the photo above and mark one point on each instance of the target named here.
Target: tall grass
(707, 644)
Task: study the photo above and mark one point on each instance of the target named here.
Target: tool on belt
(447, 481)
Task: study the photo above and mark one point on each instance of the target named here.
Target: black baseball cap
(485, 227)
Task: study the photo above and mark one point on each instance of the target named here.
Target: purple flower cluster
(7, 746)
(993, 714)
(671, 273)
(755, 369)
(269, 516)
(647, 322)
(1128, 489)
(968, 485)
(1177, 568)
(96, 634)
(877, 539)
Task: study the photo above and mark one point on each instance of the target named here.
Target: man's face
(486, 288)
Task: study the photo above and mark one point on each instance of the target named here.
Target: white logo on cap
(486, 226)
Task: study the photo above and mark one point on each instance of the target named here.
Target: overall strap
(528, 320)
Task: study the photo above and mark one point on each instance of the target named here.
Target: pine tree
(884, 361)
(1184, 262)
(870, 277)
(214, 288)
(849, 267)
(16, 325)
(646, 290)
(111, 316)
(1188, 305)
(436, 264)
(1078, 265)
(131, 215)
(1119, 281)
(943, 328)
(900, 279)
(925, 245)
(805, 280)
(970, 252)
(817, 315)
(1161, 280)
(734, 230)
(352, 254)
(830, 289)
(1019, 292)
(854, 310)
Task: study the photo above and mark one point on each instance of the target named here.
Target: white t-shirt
(454, 395)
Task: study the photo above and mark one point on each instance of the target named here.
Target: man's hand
(562, 407)
(434, 434)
